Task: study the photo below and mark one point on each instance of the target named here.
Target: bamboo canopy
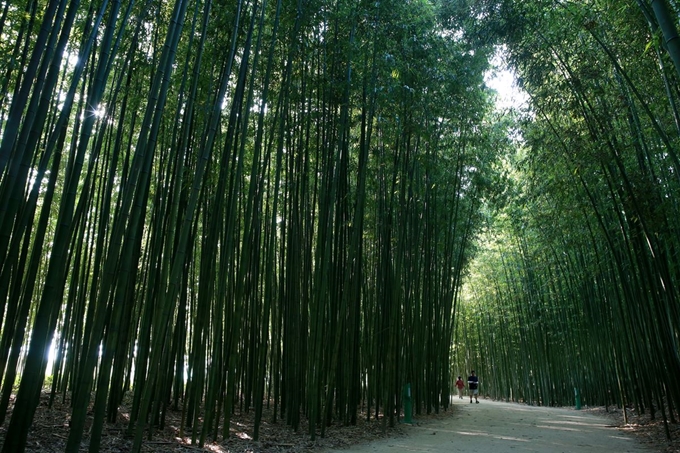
(217, 207)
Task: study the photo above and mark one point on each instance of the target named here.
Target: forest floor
(651, 433)
(498, 427)
(462, 423)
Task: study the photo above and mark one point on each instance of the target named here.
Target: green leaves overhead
(582, 259)
(247, 203)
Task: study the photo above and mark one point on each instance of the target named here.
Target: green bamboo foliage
(589, 279)
(222, 207)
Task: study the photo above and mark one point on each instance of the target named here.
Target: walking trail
(495, 427)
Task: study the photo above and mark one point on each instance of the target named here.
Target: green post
(577, 397)
(407, 404)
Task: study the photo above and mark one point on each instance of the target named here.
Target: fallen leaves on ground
(51, 427)
(651, 433)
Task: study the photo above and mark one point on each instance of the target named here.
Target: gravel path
(494, 427)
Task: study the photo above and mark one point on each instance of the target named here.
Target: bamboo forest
(295, 208)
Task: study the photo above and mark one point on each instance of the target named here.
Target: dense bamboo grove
(212, 206)
(577, 287)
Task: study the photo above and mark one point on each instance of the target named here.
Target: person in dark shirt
(473, 386)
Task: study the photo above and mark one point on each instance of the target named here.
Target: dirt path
(493, 427)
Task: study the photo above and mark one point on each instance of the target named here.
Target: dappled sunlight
(406, 447)
(257, 227)
(243, 436)
(505, 427)
(558, 428)
(216, 449)
(620, 437)
(586, 423)
(471, 433)
(186, 442)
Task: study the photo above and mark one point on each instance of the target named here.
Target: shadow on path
(495, 427)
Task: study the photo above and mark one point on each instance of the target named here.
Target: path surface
(493, 427)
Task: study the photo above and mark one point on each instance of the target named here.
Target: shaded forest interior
(213, 207)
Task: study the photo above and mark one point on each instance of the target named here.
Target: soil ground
(485, 427)
(496, 427)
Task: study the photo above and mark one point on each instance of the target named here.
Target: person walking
(460, 385)
(473, 386)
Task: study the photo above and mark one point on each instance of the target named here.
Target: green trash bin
(408, 405)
